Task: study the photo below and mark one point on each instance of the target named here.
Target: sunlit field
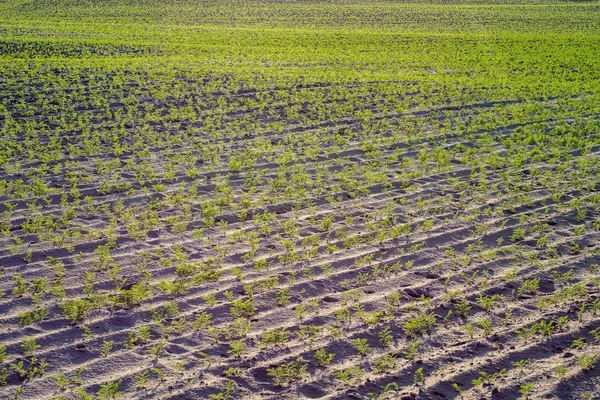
(345, 199)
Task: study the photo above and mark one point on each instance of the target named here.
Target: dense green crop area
(299, 199)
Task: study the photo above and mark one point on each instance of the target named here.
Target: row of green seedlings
(518, 234)
(39, 286)
(580, 211)
(289, 372)
(138, 292)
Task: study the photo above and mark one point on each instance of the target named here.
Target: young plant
(157, 349)
(419, 377)
(385, 337)
(236, 348)
(587, 362)
(323, 358)
(106, 347)
(30, 346)
(361, 345)
(225, 394)
(109, 391)
(526, 390)
(287, 373)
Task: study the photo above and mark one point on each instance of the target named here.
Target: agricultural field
(309, 199)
